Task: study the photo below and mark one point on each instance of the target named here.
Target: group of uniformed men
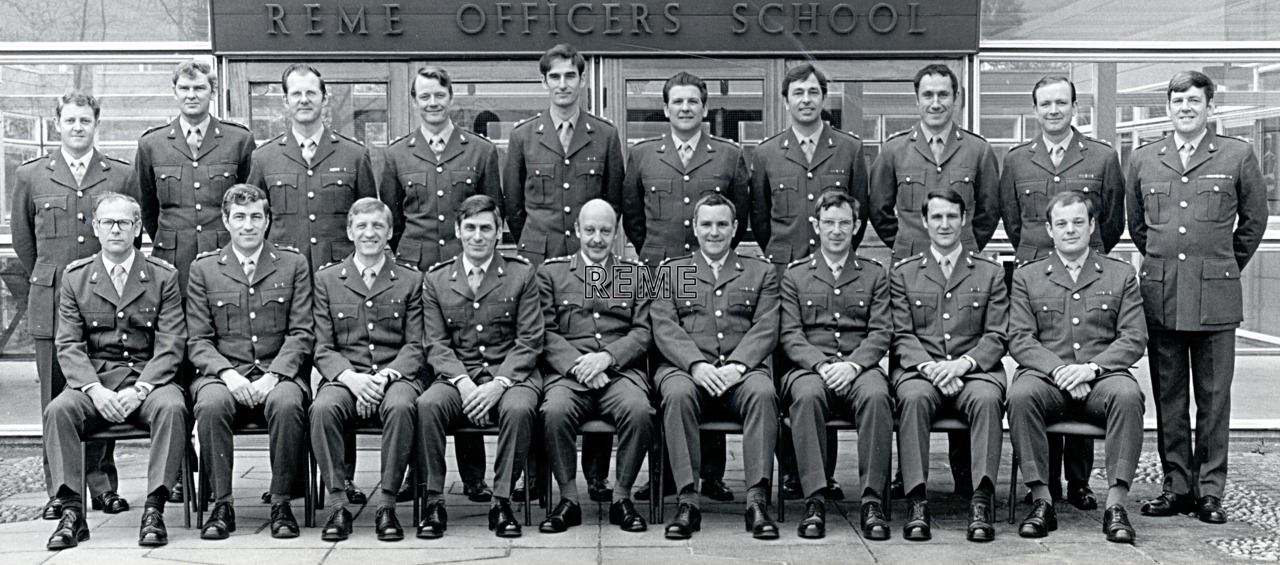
(271, 261)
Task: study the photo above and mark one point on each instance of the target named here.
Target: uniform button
(339, 182)
(479, 327)
(946, 336)
(220, 305)
(196, 184)
(719, 313)
(250, 294)
(718, 293)
(1057, 179)
(1183, 204)
(567, 210)
(598, 336)
(80, 239)
(1182, 256)
(837, 292)
(278, 183)
(917, 303)
(966, 179)
(811, 242)
(1182, 229)
(195, 163)
(80, 216)
(310, 173)
(839, 354)
(837, 335)
(257, 361)
(939, 169)
(370, 347)
(686, 200)
(312, 217)
(595, 315)
(476, 305)
(908, 179)
(253, 315)
(486, 364)
(311, 195)
(254, 339)
(368, 304)
(810, 197)
(810, 175)
(439, 193)
(1216, 189)
(481, 349)
(1185, 179)
(439, 169)
(131, 363)
(1075, 296)
(126, 354)
(946, 316)
(1075, 346)
(1075, 321)
(340, 314)
(566, 161)
(199, 228)
(375, 366)
(440, 217)
(313, 241)
(199, 207)
(686, 224)
(442, 242)
(837, 315)
(124, 336)
(566, 186)
(79, 194)
(686, 178)
(1104, 306)
(719, 336)
(567, 233)
(948, 296)
(1086, 189)
(119, 314)
(686, 246)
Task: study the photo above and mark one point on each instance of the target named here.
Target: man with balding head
(597, 335)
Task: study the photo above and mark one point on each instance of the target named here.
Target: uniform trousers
(334, 417)
(101, 455)
(621, 402)
(980, 404)
(440, 410)
(285, 414)
(1204, 362)
(812, 402)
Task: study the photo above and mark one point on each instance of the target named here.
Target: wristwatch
(142, 392)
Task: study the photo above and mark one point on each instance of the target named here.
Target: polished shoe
(283, 524)
(981, 518)
(1168, 504)
(502, 521)
(623, 513)
(896, 490)
(599, 490)
(716, 490)
(834, 492)
(152, 533)
(518, 493)
(1115, 523)
(110, 502)
(71, 530)
(354, 494)
(435, 520)
(478, 492)
(1081, 496)
(791, 489)
(688, 520)
(387, 525)
(643, 492)
(917, 527)
(175, 493)
(1209, 510)
(405, 494)
(814, 524)
(221, 522)
(1042, 520)
(874, 525)
(338, 527)
(758, 521)
(52, 509)
(566, 514)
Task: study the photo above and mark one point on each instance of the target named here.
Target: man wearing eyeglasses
(52, 199)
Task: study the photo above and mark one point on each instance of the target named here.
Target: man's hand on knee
(706, 376)
(481, 400)
(107, 403)
(241, 389)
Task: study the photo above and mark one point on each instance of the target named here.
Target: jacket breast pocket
(169, 183)
(1221, 300)
(835, 182)
(227, 313)
(144, 318)
(567, 312)
(220, 177)
(1215, 200)
(1091, 187)
(1033, 196)
(282, 190)
(962, 181)
(391, 317)
(463, 184)
(339, 191)
(1049, 318)
(98, 321)
(742, 308)
(590, 176)
(855, 308)
(661, 203)
(456, 318)
(971, 313)
(716, 183)
(692, 316)
(910, 190)
(416, 194)
(275, 308)
(540, 186)
(813, 309)
(1102, 312)
(1156, 202)
(501, 320)
(924, 312)
(346, 321)
(52, 218)
(786, 193)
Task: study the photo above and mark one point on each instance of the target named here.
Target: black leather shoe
(72, 529)
(1209, 510)
(265, 498)
(435, 520)
(518, 493)
(1168, 504)
(834, 492)
(152, 533)
(52, 509)
(599, 490)
(896, 490)
(221, 522)
(981, 518)
(688, 520)
(1115, 523)
(354, 494)
(566, 514)
(175, 493)
(387, 525)
(643, 492)
(758, 521)
(1055, 493)
(502, 521)
(791, 489)
(1042, 520)
(338, 527)
(623, 513)
(478, 492)
(814, 524)
(1081, 496)
(716, 490)
(405, 494)
(283, 524)
(874, 525)
(110, 502)
(917, 527)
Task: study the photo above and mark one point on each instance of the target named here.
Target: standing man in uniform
(1197, 211)
(311, 173)
(789, 171)
(1075, 329)
(484, 332)
(935, 153)
(121, 336)
(950, 331)
(1061, 159)
(52, 198)
(716, 335)
(368, 322)
(249, 313)
(835, 329)
(597, 344)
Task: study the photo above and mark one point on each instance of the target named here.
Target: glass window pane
(116, 20)
(1131, 20)
(356, 110)
(493, 109)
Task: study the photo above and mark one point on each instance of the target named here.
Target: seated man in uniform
(121, 336)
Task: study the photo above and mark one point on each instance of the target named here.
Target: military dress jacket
(825, 319)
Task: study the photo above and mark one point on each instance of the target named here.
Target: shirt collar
(693, 141)
(1049, 145)
(954, 256)
(377, 267)
(840, 262)
(587, 260)
(127, 263)
(83, 160)
(573, 119)
(1079, 262)
(1195, 143)
(315, 138)
(945, 135)
(467, 265)
(204, 127)
(256, 254)
(444, 134)
(814, 138)
(714, 264)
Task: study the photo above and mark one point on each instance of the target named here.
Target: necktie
(117, 278)
(1073, 269)
(249, 269)
(308, 150)
(474, 277)
(806, 145)
(437, 145)
(686, 153)
(369, 277)
(715, 270)
(77, 171)
(937, 146)
(946, 268)
(193, 141)
(1056, 155)
(835, 271)
(1185, 152)
(566, 135)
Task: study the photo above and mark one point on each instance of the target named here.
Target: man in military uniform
(597, 342)
(950, 324)
(1197, 211)
(716, 335)
(558, 161)
(368, 321)
(484, 332)
(1075, 329)
(835, 329)
(52, 197)
(121, 336)
(312, 174)
(935, 153)
(249, 311)
(183, 167)
(1061, 159)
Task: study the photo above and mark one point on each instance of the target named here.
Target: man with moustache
(51, 199)
(1197, 212)
(596, 348)
(251, 340)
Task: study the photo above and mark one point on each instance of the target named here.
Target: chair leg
(545, 465)
(662, 480)
(528, 501)
(186, 501)
(782, 502)
(309, 499)
(1013, 484)
(84, 479)
(885, 494)
(417, 494)
(653, 481)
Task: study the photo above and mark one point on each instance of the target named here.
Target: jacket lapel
(959, 273)
(327, 146)
(730, 270)
(101, 281)
(1204, 151)
(1169, 154)
(952, 146)
(933, 270)
(266, 263)
(95, 172)
(582, 131)
(701, 153)
(458, 279)
(61, 171)
(493, 276)
(823, 151)
(231, 266)
(1073, 153)
(792, 150)
(211, 138)
(352, 278)
(705, 274)
(454, 146)
(179, 140)
(135, 284)
(386, 278)
(670, 157)
(291, 149)
(547, 134)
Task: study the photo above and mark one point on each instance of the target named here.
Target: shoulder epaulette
(1115, 258)
(1096, 140)
(1235, 138)
(772, 137)
(599, 118)
(352, 140)
(327, 265)
(474, 134)
(725, 140)
(437, 266)
(562, 259)
(520, 259)
(848, 133)
(1021, 145)
(629, 261)
(1151, 142)
(755, 256)
(116, 159)
(670, 259)
(161, 263)
(33, 159)
(80, 263)
(906, 260)
(272, 140)
(799, 262)
(398, 261)
(871, 259)
(401, 138)
(156, 128)
(648, 139)
(971, 133)
(234, 124)
(210, 253)
(526, 120)
(897, 134)
(984, 258)
(1033, 261)
(289, 248)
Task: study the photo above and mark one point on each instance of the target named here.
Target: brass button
(720, 335)
(810, 175)
(195, 163)
(119, 314)
(1075, 321)
(1182, 256)
(1183, 204)
(1185, 179)
(254, 339)
(311, 194)
(199, 228)
(837, 292)
(368, 304)
(479, 327)
(310, 173)
(199, 207)
(566, 186)
(946, 316)
(253, 315)
(1075, 296)
(1057, 179)
(1075, 346)
(80, 239)
(196, 184)
(566, 161)
(439, 169)
(313, 241)
(1182, 229)
(718, 293)
(686, 178)
(312, 217)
